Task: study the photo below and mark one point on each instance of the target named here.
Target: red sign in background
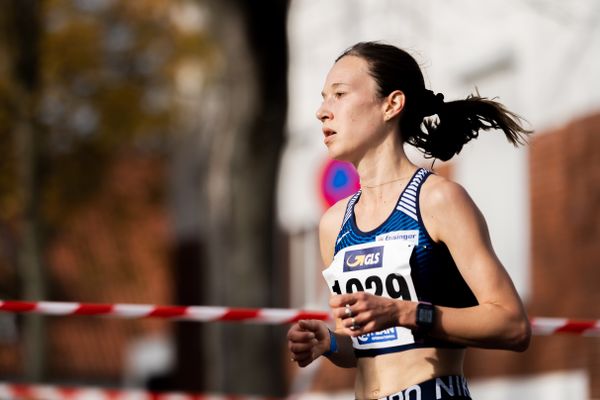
(339, 180)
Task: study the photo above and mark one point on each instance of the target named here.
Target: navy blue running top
(431, 274)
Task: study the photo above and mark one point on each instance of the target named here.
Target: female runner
(412, 271)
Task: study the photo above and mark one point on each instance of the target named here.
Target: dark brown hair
(459, 121)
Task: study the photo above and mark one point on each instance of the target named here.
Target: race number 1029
(394, 286)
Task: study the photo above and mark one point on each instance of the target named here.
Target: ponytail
(456, 124)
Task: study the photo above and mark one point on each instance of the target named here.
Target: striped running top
(434, 274)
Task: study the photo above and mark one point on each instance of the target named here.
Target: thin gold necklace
(384, 183)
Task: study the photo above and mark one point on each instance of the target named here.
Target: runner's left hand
(363, 312)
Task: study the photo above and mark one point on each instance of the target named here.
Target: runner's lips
(328, 132)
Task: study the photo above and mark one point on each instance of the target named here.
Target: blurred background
(167, 152)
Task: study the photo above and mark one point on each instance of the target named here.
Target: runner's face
(351, 111)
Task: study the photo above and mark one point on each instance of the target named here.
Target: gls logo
(371, 257)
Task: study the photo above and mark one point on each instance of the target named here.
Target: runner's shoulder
(332, 219)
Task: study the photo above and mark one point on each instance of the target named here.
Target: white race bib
(381, 268)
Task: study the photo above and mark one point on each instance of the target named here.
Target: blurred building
(542, 202)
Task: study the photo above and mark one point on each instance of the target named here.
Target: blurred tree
(224, 163)
(201, 83)
(106, 68)
(258, 282)
(82, 83)
(21, 24)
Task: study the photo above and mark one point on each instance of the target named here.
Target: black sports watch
(425, 316)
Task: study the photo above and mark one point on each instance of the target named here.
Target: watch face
(425, 314)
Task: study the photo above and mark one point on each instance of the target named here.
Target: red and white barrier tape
(188, 313)
(11, 391)
(540, 325)
(549, 326)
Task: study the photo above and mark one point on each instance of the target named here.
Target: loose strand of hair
(491, 114)
(461, 121)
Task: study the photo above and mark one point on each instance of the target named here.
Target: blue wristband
(332, 344)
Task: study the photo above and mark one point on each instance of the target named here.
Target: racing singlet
(397, 260)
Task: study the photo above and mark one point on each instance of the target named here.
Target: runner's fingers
(302, 355)
(300, 336)
(309, 325)
(342, 313)
(341, 300)
(352, 323)
(348, 311)
(303, 358)
(301, 347)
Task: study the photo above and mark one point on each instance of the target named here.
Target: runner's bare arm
(328, 231)
(499, 321)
